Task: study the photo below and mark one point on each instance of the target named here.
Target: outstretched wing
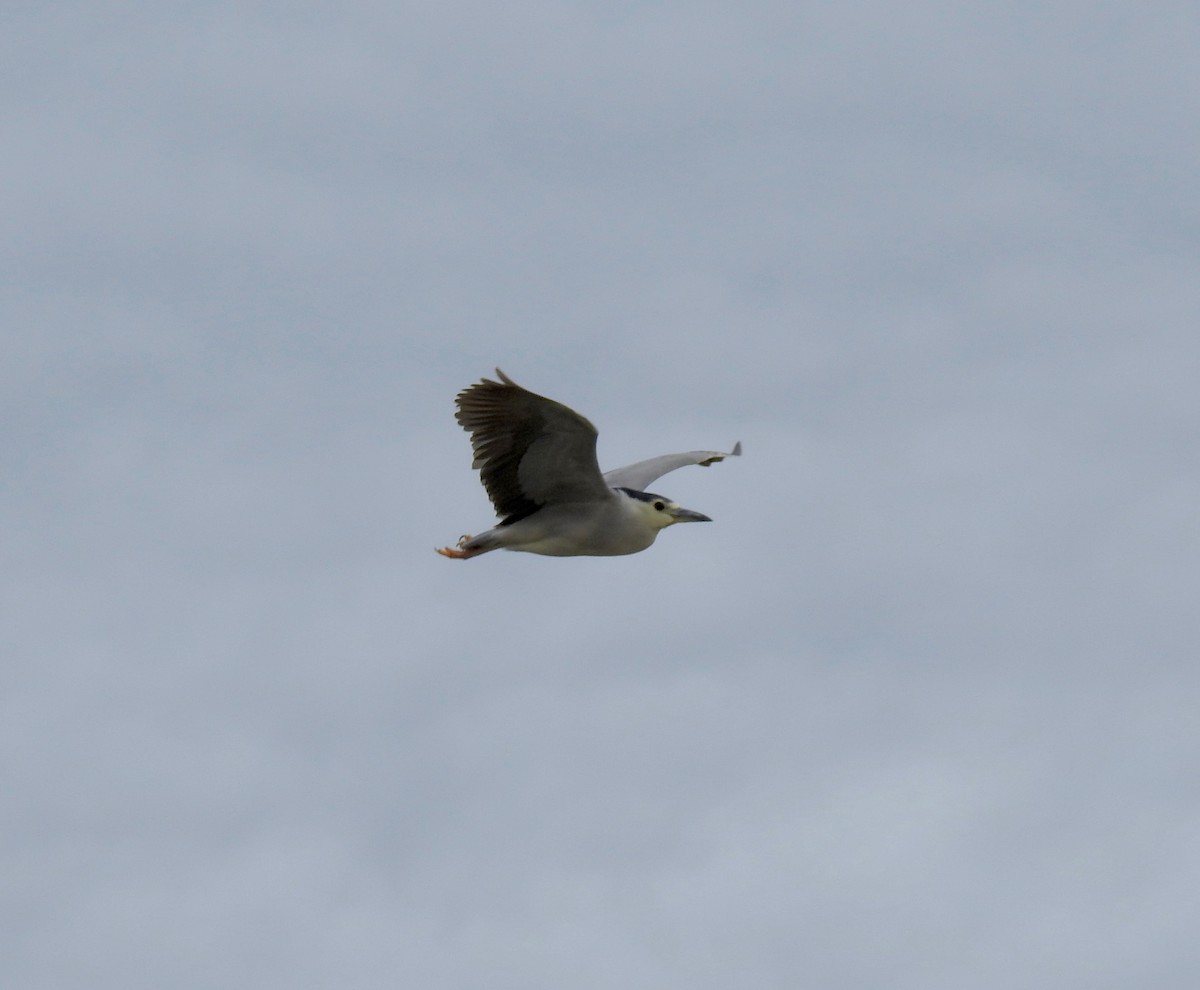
(530, 450)
(638, 476)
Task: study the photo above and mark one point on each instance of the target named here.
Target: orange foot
(459, 554)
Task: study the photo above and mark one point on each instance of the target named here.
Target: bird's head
(658, 511)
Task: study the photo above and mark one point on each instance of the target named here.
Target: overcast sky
(918, 711)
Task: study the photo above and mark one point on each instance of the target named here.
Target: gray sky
(917, 711)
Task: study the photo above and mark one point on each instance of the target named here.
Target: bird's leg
(460, 553)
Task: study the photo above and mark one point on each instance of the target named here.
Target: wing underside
(638, 476)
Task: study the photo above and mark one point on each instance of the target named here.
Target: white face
(660, 512)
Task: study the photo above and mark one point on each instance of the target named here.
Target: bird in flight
(537, 460)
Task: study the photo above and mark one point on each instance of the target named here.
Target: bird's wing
(530, 450)
(638, 476)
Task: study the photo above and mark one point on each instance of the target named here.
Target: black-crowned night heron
(537, 460)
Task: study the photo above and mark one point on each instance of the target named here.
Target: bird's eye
(659, 506)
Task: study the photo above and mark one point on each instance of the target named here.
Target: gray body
(537, 460)
(607, 528)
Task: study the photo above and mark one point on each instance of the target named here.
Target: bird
(537, 459)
